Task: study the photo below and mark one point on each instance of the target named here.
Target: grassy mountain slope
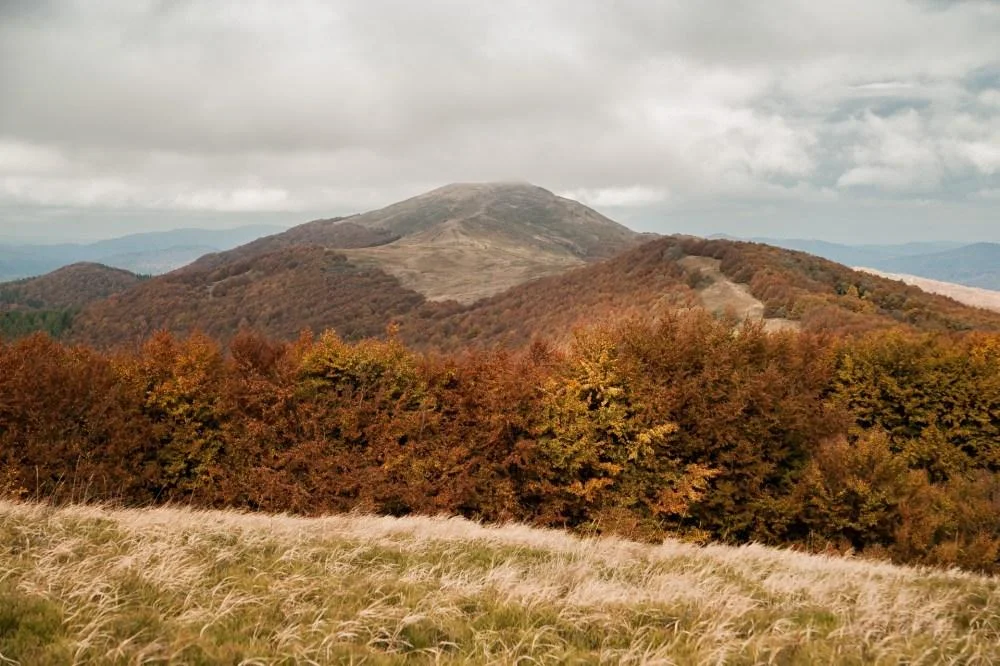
(525, 214)
(467, 241)
(645, 282)
(84, 584)
(462, 241)
(335, 233)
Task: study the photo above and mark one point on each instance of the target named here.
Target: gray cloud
(730, 116)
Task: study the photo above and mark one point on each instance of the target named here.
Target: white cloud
(619, 197)
(20, 158)
(242, 199)
(985, 155)
(990, 98)
(883, 86)
(895, 153)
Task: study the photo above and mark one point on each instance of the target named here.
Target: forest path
(723, 295)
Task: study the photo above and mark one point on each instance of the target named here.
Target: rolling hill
(357, 274)
(462, 241)
(69, 287)
(278, 293)
(282, 292)
(785, 288)
(50, 302)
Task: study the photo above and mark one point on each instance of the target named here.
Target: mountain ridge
(462, 241)
(458, 243)
(500, 264)
(973, 265)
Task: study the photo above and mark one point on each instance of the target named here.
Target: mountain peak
(489, 188)
(466, 241)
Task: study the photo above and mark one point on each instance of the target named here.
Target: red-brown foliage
(885, 443)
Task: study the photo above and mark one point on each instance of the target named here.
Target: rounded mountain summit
(466, 241)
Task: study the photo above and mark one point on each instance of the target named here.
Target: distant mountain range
(149, 253)
(976, 265)
(974, 296)
(972, 265)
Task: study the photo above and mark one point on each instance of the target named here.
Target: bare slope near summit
(467, 241)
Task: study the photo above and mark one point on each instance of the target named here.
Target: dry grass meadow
(105, 586)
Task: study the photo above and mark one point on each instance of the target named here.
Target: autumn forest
(885, 443)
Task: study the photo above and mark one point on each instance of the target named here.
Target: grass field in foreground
(94, 585)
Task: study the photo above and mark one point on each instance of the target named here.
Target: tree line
(885, 443)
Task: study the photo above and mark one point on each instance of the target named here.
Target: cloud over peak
(313, 105)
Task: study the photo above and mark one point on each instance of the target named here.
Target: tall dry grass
(167, 585)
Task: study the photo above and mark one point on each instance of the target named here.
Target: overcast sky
(850, 120)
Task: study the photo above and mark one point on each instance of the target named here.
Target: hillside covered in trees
(49, 302)
(280, 293)
(650, 281)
